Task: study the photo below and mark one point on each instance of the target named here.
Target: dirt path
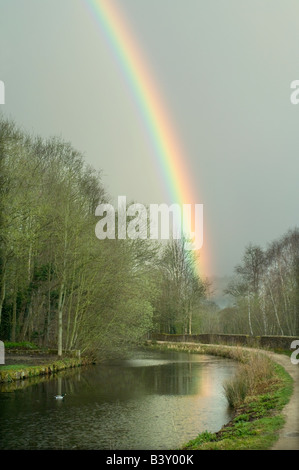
(289, 434)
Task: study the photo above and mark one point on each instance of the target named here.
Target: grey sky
(224, 69)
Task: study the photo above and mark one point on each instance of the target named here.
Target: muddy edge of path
(288, 438)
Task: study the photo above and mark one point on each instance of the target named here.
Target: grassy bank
(10, 373)
(258, 392)
(35, 362)
(23, 345)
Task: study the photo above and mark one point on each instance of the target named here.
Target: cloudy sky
(224, 70)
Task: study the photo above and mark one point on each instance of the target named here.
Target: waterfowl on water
(60, 397)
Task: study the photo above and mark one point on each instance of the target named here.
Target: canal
(151, 400)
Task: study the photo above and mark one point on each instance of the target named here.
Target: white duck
(60, 397)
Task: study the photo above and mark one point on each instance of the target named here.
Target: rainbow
(169, 156)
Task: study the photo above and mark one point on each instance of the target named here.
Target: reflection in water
(154, 400)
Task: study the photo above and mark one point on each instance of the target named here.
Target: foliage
(61, 287)
(20, 345)
(59, 284)
(250, 378)
(265, 290)
(179, 303)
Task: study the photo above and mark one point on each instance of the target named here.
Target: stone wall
(271, 342)
(43, 352)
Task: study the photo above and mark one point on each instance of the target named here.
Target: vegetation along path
(289, 434)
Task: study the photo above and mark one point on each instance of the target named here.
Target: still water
(152, 400)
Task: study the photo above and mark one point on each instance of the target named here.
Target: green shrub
(236, 388)
(250, 378)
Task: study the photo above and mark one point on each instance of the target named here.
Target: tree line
(62, 287)
(264, 291)
(266, 288)
(59, 285)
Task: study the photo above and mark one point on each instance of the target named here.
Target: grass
(15, 372)
(258, 392)
(286, 352)
(14, 367)
(20, 345)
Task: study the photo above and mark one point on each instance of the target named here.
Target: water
(153, 400)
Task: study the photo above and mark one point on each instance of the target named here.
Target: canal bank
(267, 421)
(24, 364)
(289, 434)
